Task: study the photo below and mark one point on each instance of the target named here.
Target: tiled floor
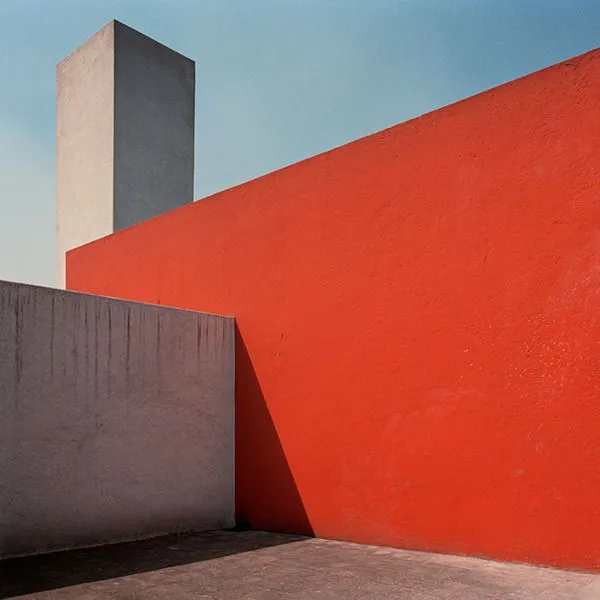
(262, 566)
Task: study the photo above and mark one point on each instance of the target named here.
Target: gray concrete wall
(116, 420)
(125, 135)
(84, 145)
(154, 128)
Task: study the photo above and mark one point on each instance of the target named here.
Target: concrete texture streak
(125, 135)
(116, 420)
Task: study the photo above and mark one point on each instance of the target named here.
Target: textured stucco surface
(125, 135)
(116, 419)
(419, 321)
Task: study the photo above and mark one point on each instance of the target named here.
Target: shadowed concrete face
(270, 566)
(116, 420)
(125, 135)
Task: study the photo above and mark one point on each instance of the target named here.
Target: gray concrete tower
(125, 135)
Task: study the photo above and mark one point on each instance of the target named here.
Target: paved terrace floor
(262, 566)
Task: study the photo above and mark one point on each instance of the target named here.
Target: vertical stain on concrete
(18, 345)
(173, 422)
(52, 333)
(128, 329)
(198, 335)
(158, 342)
(205, 324)
(74, 343)
(86, 349)
(127, 344)
(96, 346)
(110, 346)
(143, 341)
(63, 355)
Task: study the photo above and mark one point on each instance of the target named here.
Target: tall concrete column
(125, 135)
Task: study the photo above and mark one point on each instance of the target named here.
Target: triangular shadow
(267, 497)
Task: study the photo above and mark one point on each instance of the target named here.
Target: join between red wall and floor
(419, 338)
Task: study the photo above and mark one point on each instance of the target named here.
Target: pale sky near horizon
(277, 81)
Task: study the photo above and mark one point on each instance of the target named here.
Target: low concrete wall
(116, 420)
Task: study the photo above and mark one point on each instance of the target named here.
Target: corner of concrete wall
(116, 420)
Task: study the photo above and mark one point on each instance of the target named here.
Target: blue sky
(277, 81)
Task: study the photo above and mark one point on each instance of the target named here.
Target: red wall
(419, 326)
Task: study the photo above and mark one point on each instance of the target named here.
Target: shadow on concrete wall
(35, 574)
(267, 497)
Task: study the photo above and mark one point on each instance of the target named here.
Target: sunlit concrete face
(125, 135)
(116, 420)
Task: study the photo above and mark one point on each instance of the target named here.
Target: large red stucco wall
(418, 315)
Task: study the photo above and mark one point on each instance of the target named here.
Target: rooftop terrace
(267, 566)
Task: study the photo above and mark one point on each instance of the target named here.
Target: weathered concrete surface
(125, 135)
(84, 145)
(219, 565)
(116, 420)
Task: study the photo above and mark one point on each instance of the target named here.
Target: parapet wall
(116, 420)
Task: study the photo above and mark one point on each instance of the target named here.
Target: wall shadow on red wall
(263, 475)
